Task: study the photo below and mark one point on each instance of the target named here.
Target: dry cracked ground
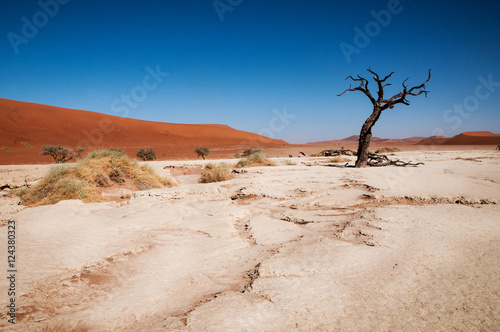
(304, 248)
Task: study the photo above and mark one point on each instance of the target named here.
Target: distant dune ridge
(466, 138)
(41, 124)
(28, 126)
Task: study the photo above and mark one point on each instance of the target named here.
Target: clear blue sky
(235, 64)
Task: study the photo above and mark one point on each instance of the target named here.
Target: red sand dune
(375, 140)
(433, 140)
(40, 125)
(474, 138)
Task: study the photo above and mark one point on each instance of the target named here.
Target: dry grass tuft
(255, 159)
(100, 169)
(214, 173)
(387, 149)
(340, 159)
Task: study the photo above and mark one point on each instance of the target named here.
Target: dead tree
(380, 104)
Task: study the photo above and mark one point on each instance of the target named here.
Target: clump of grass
(26, 144)
(111, 153)
(100, 169)
(340, 159)
(59, 184)
(248, 152)
(214, 173)
(7, 149)
(256, 158)
(388, 149)
(290, 163)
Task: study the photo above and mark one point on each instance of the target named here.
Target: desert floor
(310, 246)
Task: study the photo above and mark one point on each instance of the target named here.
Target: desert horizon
(37, 125)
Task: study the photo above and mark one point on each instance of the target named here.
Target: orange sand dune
(474, 138)
(39, 125)
(480, 133)
(375, 140)
(433, 140)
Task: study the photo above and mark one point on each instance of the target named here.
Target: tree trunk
(365, 137)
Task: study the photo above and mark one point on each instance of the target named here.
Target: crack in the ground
(252, 275)
(245, 231)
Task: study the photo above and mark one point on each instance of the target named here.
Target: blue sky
(269, 67)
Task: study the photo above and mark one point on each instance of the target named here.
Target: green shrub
(146, 155)
(249, 152)
(27, 144)
(257, 158)
(202, 152)
(7, 149)
(61, 154)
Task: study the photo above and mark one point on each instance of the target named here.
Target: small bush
(146, 155)
(340, 159)
(7, 149)
(60, 154)
(388, 149)
(290, 163)
(257, 158)
(214, 173)
(26, 144)
(202, 152)
(249, 152)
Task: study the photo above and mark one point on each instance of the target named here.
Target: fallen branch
(376, 160)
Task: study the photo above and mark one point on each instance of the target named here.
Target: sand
(311, 246)
(26, 127)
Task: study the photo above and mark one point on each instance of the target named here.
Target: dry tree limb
(376, 160)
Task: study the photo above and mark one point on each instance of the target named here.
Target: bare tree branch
(363, 87)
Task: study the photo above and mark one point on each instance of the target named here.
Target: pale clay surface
(311, 248)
